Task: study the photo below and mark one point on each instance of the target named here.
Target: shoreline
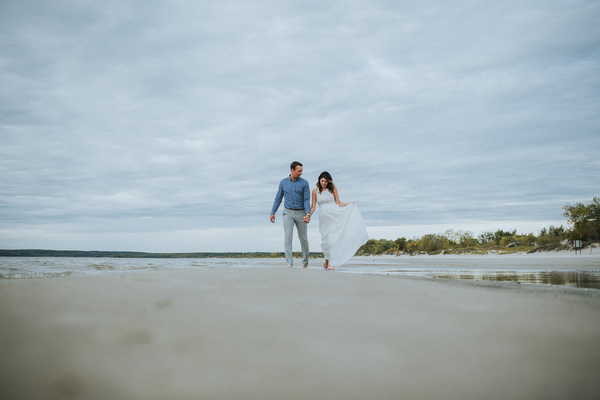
(490, 253)
(581, 270)
(37, 253)
(272, 333)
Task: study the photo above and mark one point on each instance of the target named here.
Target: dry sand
(276, 333)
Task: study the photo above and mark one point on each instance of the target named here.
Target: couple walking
(340, 224)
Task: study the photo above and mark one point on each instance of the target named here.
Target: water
(560, 269)
(577, 279)
(54, 267)
(551, 269)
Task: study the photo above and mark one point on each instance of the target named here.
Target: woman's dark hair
(330, 185)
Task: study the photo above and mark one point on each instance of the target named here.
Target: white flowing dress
(342, 229)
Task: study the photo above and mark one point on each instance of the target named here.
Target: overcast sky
(167, 126)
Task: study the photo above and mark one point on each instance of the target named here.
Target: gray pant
(291, 217)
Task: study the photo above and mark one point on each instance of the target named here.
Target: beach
(276, 333)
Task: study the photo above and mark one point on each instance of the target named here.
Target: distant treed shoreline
(135, 254)
(583, 219)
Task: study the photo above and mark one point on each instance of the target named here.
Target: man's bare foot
(330, 267)
(289, 266)
(305, 266)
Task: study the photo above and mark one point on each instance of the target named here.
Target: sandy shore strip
(548, 261)
(276, 333)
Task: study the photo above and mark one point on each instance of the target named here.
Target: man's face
(296, 173)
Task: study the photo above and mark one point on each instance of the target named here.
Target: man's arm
(277, 202)
(306, 199)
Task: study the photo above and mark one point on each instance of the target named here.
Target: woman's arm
(337, 199)
(314, 202)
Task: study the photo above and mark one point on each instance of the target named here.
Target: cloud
(153, 120)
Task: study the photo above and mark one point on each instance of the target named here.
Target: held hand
(307, 218)
(272, 218)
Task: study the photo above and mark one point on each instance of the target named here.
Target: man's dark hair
(294, 165)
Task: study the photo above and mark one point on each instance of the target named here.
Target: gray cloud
(166, 127)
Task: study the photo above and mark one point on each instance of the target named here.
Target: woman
(340, 224)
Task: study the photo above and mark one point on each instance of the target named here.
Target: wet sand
(564, 268)
(547, 261)
(277, 333)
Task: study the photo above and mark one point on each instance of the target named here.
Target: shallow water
(577, 279)
(54, 267)
(565, 269)
(551, 269)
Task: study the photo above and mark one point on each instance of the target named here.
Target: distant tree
(584, 219)
(452, 237)
(557, 232)
(368, 248)
(401, 244)
(527, 240)
(384, 246)
(506, 240)
(412, 247)
(433, 243)
(486, 237)
(465, 239)
(500, 234)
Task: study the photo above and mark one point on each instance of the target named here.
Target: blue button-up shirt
(296, 195)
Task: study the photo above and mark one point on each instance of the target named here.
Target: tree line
(133, 254)
(584, 221)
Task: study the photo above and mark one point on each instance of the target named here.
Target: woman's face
(324, 183)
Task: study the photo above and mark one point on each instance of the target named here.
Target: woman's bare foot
(326, 264)
(330, 267)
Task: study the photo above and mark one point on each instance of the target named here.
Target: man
(296, 194)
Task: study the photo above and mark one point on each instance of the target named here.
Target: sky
(166, 126)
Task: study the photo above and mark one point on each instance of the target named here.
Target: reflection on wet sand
(578, 279)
